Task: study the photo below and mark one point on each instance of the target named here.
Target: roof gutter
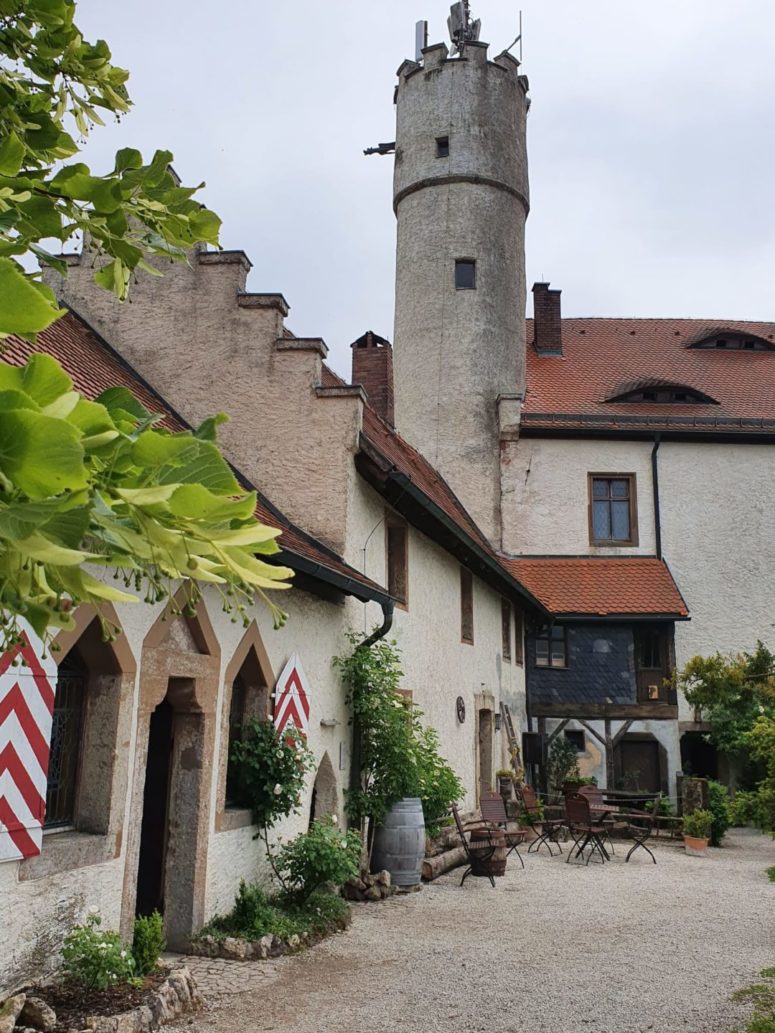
(616, 618)
(508, 581)
(339, 581)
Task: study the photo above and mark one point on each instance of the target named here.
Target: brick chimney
(373, 369)
(547, 320)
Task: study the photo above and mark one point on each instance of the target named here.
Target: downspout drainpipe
(655, 487)
(355, 762)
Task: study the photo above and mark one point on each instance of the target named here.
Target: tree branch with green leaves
(90, 489)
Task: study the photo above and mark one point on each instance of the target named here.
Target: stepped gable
(603, 358)
(587, 586)
(95, 366)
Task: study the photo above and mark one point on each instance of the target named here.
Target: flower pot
(695, 847)
(504, 787)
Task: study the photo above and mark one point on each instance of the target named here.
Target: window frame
(519, 637)
(569, 734)
(392, 524)
(548, 633)
(74, 671)
(613, 543)
(466, 606)
(506, 630)
(461, 262)
(442, 146)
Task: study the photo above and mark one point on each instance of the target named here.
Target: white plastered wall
(437, 665)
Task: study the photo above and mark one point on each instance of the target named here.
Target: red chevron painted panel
(27, 686)
(291, 697)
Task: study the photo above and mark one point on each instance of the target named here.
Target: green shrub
(269, 771)
(771, 873)
(95, 959)
(665, 807)
(698, 824)
(563, 765)
(718, 805)
(255, 915)
(148, 942)
(323, 855)
(437, 784)
(399, 757)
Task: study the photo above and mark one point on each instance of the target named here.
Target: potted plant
(696, 832)
(505, 778)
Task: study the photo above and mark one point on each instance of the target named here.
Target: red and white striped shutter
(26, 708)
(291, 697)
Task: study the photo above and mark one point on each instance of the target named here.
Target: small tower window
(465, 274)
(442, 146)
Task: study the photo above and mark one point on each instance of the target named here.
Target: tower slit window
(442, 146)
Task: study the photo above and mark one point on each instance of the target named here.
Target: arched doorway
(167, 857)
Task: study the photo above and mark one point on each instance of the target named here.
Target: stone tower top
(460, 194)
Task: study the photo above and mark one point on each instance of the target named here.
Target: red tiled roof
(409, 461)
(95, 366)
(604, 586)
(604, 357)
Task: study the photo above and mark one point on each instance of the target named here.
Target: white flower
(94, 910)
(102, 946)
(277, 789)
(334, 819)
(123, 954)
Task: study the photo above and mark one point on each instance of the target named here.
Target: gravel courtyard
(606, 949)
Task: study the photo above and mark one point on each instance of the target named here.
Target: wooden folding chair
(494, 812)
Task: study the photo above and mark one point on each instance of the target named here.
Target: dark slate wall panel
(601, 667)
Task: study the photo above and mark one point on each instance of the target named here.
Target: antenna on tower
(461, 29)
(517, 40)
(420, 39)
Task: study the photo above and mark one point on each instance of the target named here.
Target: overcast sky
(651, 144)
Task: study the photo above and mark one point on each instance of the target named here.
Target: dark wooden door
(651, 665)
(639, 765)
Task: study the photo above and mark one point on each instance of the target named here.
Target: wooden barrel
(399, 842)
(484, 860)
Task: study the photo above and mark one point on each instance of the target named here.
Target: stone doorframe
(191, 682)
(239, 817)
(483, 702)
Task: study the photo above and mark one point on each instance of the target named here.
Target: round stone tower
(461, 200)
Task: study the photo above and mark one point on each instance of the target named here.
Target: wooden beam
(557, 731)
(592, 731)
(598, 711)
(622, 731)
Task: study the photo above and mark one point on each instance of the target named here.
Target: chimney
(373, 369)
(547, 321)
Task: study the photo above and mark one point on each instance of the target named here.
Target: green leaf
(25, 306)
(194, 500)
(44, 379)
(207, 467)
(207, 429)
(128, 158)
(120, 400)
(20, 519)
(40, 454)
(11, 154)
(154, 448)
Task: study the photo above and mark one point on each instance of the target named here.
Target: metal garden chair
(494, 812)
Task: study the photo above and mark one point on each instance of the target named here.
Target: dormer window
(661, 393)
(734, 342)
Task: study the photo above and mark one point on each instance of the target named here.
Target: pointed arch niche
(89, 759)
(247, 686)
(325, 795)
(172, 786)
